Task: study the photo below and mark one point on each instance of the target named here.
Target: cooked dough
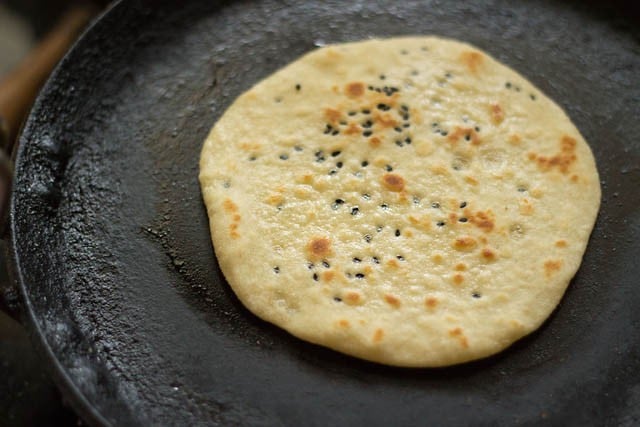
(408, 201)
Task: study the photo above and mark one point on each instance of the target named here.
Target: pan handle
(18, 90)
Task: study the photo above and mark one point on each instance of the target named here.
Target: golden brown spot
(352, 129)
(453, 217)
(393, 182)
(247, 146)
(374, 141)
(526, 208)
(378, 335)
(472, 59)
(431, 302)
(561, 160)
(515, 139)
(458, 279)
(328, 276)
(234, 235)
(488, 254)
(236, 217)
(352, 298)
(393, 263)
(561, 243)
(497, 114)
(385, 120)
(333, 116)
(469, 134)
(437, 258)
(392, 300)
(344, 323)
(465, 243)
(229, 206)
(574, 178)
(408, 234)
(275, 199)
(460, 267)
(552, 266)
(354, 90)
(319, 247)
(470, 180)
(482, 220)
(457, 333)
(368, 269)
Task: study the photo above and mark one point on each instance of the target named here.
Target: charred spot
(476, 295)
(357, 260)
(400, 257)
(383, 107)
(359, 276)
(407, 140)
(388, 168)
(339, 165)
(364, 164)
(337, 299)
(335, 153)
(463, 205)
(463, 219)
(315, 276)
(298, 87)
(276, 270)
(355, 210)
(367, 133)
(397, 232)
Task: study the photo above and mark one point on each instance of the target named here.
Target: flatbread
(409, 201)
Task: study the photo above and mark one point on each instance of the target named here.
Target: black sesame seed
(357, 260)
(366, 111)
(335, 132)
(352, 113)
(477, 128)
(310, 265)
(367, 238)
(522, 189)
(400, 257)
(517, 88)
(463, 205)
(383, 107)
(359, 276)
(476, 295)
(335, 153)
(365, 164)
(416, 200)
(399, 143)
(404, 52)
(406, 125)
(405, 117)
(532, 96)
(382, 77)
(252, 158)
(276, 270)
(375, 260)
(284, 156)
(467, 137)
(434, 124)
(339, 165)
(440, 223)
(388, 168)
(463, 219)
(397, 233)
(367, 133)
(384, 206)
(435, 205)
(370, 87)
(315, 276)
(444, 133)
(448, 75)
(343, 122)
(297, 148)
(407, 140)
(298, 87)
(379, 228)
(507, 85)
(366, 196)
(355, 210)
(337, 299)
(404, 108)
(339, 201)
(325, 264)
(398, 129)
(415, 73)
(378, 90)
(320, 159)
(333, 172)
(367, 124)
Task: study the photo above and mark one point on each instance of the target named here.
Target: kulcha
(408, 201)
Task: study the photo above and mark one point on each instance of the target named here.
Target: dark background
(27, 395)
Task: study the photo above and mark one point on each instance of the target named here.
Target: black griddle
(118, 279)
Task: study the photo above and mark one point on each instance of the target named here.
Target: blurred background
(28, 397)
